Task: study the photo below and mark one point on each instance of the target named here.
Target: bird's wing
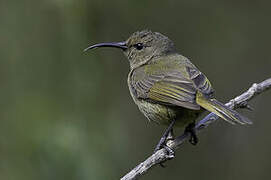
(170, 83)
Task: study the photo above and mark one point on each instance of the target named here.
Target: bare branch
(162, 155)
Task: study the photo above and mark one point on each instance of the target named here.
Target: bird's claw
(170, 155)
(170, 152)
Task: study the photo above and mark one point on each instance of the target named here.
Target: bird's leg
(193, 136)
(168, 135)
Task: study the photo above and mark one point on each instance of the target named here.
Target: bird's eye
(139, 46)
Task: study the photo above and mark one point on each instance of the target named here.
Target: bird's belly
(156, 112)
(163, 114)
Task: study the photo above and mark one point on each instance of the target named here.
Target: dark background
(66, 114)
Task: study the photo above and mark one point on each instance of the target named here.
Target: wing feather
(172, 84)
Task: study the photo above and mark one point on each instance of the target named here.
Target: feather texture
(175, 81)
(170, 81)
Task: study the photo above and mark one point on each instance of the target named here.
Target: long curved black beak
(121, 45)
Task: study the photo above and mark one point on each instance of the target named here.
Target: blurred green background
(66, 114)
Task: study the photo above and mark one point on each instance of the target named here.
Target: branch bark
(163, 155)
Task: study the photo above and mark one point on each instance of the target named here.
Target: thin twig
(163, 155)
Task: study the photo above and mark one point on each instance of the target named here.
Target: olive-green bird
(166, 86)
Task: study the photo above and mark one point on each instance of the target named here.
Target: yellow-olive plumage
(165, 85)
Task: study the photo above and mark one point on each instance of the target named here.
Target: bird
(166, 86)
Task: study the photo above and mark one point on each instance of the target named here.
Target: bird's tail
(221, 110)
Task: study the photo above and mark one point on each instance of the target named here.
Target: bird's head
(141, 47)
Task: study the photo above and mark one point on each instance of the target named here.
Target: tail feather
(221, 110)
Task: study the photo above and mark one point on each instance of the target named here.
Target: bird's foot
(193, 136)
(163, 141)
(170, 154)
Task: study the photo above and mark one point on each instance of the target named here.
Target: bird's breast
(154, 112)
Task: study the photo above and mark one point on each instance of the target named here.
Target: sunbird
(167, 88)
